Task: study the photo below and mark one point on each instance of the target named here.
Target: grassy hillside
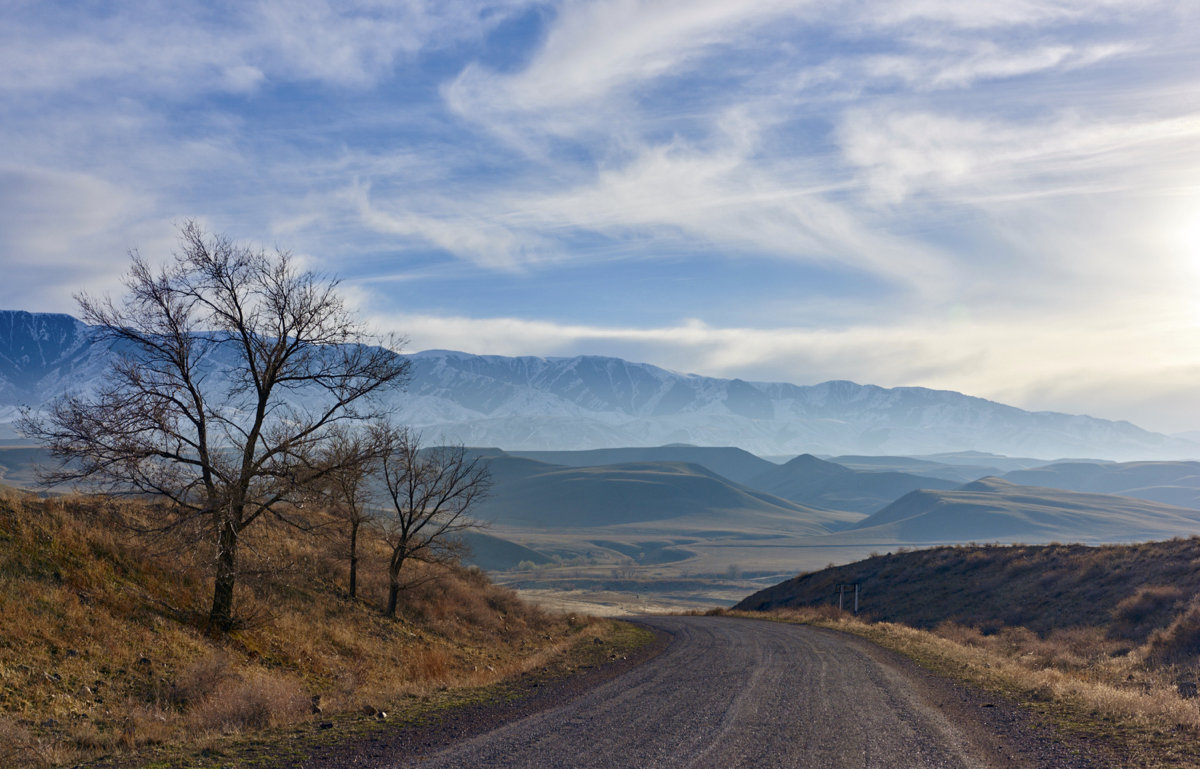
(492, 553)
(962, 469)
(810, 481)
(733, 463)
(994, 509)
(1131, 590)
(103, 649)
(688, 496)
(1172, 483)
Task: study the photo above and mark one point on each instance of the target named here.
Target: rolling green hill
(683, 497)
(992, 509)
(733, 463)
(492, 553)
(1173, 483)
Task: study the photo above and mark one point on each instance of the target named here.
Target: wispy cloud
(177, 49)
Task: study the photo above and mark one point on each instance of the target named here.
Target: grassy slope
(733, 463)
(671, 496)
(1041, 587)
(1173, 483)
(102, 648)
(995, 509)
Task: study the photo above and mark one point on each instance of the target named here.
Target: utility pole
(842, 596)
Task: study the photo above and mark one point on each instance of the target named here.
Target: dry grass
(1133, 589)
(1123, 698)
(103, 649)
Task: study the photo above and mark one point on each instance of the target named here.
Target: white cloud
(165, 47)
(946, 64)
(61, 232)
(904, 153)
(986, 14)
(721, 199)
(597, 48)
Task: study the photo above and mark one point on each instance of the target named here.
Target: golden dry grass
(103, 648)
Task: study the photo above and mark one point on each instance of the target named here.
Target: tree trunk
(394, 566)
(354, 559)
(393, 599)
(221, 616)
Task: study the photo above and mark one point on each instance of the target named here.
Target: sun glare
(1189, 238)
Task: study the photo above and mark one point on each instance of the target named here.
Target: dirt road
(742, 693)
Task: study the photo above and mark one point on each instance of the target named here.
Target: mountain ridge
(589, 401)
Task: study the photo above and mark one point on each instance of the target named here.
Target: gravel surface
(728, 692)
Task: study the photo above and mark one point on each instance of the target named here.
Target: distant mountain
(817, 483)
(1173, 483)
(732, 463)
(995, 510)
(42, 354)
(675, 496)
(588, 402)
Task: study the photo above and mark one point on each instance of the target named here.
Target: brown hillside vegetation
(1132, 590)
(103, 649)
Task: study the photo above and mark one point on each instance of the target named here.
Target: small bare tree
(349, 491)
(431, 491)
(232, 367)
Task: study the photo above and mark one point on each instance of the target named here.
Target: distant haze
(592, 402)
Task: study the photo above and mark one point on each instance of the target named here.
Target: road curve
(730, 692)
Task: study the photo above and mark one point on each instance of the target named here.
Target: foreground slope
(992, 509)
(103, 647)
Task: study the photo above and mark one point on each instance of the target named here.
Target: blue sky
(1001, 198)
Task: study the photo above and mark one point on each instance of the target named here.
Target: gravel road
(729, 692)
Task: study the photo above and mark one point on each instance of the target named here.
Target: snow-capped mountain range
(531, 403)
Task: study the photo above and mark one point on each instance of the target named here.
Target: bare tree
(232, 366)
(431, 491)
(349, 490)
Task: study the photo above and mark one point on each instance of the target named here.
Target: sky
(999, 198)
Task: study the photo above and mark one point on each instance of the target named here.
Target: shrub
(199, 680)
(1179, 643)
(1150, 608)
(256, 700)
